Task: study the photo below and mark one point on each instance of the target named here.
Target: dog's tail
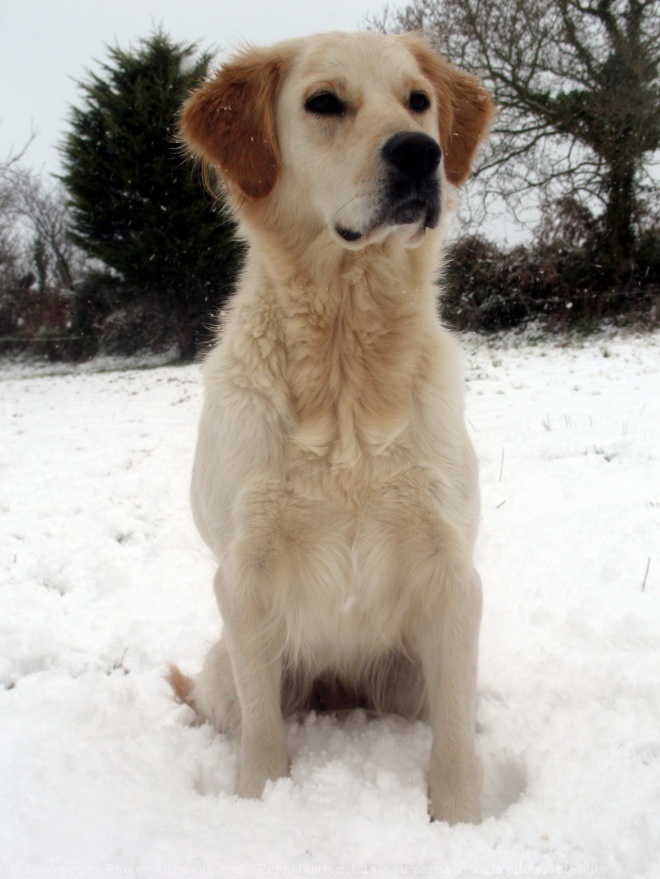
(182, 686)
(212, 694)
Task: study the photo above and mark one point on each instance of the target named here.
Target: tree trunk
(619, 234)
(183, 325)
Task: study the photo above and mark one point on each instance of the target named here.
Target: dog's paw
(252, 781)
(454, 796)
(455, 809)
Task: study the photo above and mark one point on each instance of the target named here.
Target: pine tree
(136, 203)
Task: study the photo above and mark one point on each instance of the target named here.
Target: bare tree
(578, 88)
(10, 247)
(44, 215)
(33, 230)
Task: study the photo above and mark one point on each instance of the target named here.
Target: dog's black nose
(414, 154)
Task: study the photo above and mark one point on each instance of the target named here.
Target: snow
(104, 582)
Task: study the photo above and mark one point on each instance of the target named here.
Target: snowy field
(104, 581)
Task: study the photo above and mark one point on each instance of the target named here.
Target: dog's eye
(418, 102)
(325, 104)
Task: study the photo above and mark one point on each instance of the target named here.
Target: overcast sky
(45, 45)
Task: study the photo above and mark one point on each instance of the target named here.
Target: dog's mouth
(348, 234)
(422, 213)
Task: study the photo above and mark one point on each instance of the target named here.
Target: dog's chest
(351, 381)
(339, 597)
(349, 569)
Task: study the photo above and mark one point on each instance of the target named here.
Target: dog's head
(353, 134)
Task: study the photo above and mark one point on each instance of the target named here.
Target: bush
(556, 284)
(134, 329)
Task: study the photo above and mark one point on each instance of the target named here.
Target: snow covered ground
(104, 581)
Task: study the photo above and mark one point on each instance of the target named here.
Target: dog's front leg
(448, 647)
(257, 668)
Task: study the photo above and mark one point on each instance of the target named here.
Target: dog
(334, 479)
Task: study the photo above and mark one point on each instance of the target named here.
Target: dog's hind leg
(396, 686)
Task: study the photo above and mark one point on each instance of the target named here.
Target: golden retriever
(334, 479)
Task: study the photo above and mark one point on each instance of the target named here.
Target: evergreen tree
(136, 203)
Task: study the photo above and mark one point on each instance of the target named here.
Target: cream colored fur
(334, 479)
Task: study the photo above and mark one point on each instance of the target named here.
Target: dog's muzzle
(411, 191)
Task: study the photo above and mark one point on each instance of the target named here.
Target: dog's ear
(230, 121)
(465, 107)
